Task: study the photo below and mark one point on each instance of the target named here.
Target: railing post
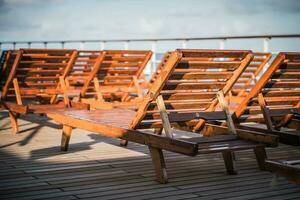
(62, 44)
(102, 45)
(126, 45)
(153, 60)
(265, 49)
(222, 44)
(82, 45)
(266, 44)
(184, 44)
(45, 45)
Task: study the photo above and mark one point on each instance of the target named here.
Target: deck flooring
(95, 167)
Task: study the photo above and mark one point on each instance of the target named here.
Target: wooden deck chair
(118, 78)
(168, 104)
(33, 84)
(250, 75)
(289, 168)
(275, 99)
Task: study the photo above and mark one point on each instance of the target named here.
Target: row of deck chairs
(192, 92)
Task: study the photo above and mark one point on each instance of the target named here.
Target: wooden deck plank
(32, 167)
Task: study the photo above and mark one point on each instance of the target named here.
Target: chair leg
(229, 162)
(123, 142)
(14, 122)
(159, 164)
(65, 139)
(261, 156)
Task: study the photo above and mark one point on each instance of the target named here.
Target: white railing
(264, 42)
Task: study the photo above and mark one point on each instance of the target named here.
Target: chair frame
(116, 123)
(19, 106)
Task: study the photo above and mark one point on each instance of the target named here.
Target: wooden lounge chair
(118, 79)
(175, 99)
(32, 85)
(289, 168)
(275, 99)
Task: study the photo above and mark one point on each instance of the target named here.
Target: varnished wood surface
(279, 86)
(118, 70)
(32, 167)
(276, 90)
(185, 75)
(114, 117)
(112, 123)
(248, 78)
(6, 63)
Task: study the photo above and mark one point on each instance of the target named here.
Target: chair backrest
(161, 65)
(120, 68)
(84, 69)
(35, 74)
(275, 94)
(189, 83)
(248, 78)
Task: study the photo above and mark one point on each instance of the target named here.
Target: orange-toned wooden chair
(33, 84)
(279, 101)
(275, 99)
(180, 96)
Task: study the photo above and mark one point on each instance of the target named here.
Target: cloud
(74, 19)
(150, 26)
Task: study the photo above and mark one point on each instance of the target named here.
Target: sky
(23, 20)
